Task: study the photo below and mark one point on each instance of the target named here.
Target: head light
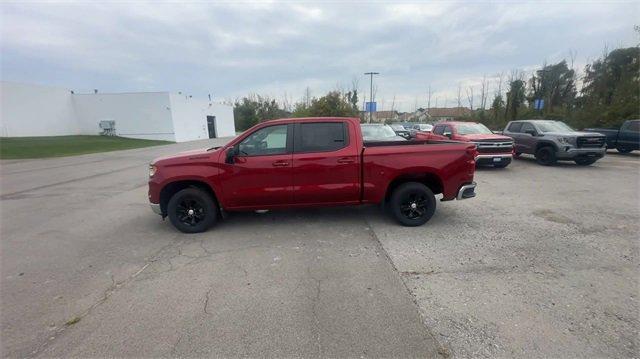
(152, 170)
(564, 140)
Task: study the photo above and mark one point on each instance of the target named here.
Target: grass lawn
(60, 146)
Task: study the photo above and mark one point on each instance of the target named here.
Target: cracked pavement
(89, 271)
(543, 263)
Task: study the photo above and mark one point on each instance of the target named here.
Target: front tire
(623, 150)
(412, 204)
(192, 210)
(546, 156)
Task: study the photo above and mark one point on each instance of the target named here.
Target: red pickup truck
(305, 162)
(493, 149)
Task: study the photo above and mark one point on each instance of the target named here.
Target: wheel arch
(174, 187)
(431, 180)
(541, 144)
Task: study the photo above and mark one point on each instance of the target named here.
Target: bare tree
(459, 94)
(429, 98)
(484, 92)
(500, 80)
(286, 103)
(470, 97)
(307, 96)
(393, 104)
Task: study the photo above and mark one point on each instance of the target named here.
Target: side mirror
(531, 132)
(231, 155)
(448, 134)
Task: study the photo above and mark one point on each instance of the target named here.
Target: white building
(34, 110)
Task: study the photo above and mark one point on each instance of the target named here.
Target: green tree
(611, 90)
(555, 84)
(253, 109)
(497, 113)
(332, 104)
(515, 99)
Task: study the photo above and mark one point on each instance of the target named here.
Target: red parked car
(493, 150)
(306, 162)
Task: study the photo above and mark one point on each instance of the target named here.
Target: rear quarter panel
(450, 162)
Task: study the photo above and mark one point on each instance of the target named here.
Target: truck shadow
(634, 154)
(530, 160)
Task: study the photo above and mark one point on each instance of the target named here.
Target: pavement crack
(443, 351)
(106, 294)
(206, 301)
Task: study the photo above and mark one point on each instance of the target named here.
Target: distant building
(385, 116)
(34, 110)
(446, 113)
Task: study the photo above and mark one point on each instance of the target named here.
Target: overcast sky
(231, 49)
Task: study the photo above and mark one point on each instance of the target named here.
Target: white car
(421, 127)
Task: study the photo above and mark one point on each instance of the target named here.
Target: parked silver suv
(551, 141)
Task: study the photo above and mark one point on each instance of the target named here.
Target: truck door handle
(346, 160)
(280, 164)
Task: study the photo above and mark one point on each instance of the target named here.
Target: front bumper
(568, 152)
(467, 191)
(155, 207)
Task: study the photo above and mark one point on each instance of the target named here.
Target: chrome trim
(505, 144)
(506, 155)
(464, 188)
(155, 207)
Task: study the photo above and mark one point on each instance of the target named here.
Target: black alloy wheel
(192, 210)
(546, 156)
(412, 204)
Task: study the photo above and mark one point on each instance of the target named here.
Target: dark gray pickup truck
(552, 141)
(625, 139)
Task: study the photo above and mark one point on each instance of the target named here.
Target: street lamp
(371, 93)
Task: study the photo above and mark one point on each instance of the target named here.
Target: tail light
(472, 152)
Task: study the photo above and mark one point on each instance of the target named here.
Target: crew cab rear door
(326, 163)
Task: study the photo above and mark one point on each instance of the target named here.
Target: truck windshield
(473, 129)
(553, 126)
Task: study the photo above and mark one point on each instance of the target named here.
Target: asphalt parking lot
(543, 263)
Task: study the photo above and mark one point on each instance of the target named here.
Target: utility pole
(371, 93)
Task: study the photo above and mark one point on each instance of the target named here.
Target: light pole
(371, 93)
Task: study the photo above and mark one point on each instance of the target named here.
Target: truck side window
(527, 127)
(321, 137)
(270, 140)
(633, 126)
(515, 127)
(438, 130)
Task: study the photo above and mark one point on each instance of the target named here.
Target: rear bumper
(467, 191)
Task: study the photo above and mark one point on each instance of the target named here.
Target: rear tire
(584, 161)
(192, 210)
(412, 204)
(546, 156)
(623, 150)
(517, 154)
